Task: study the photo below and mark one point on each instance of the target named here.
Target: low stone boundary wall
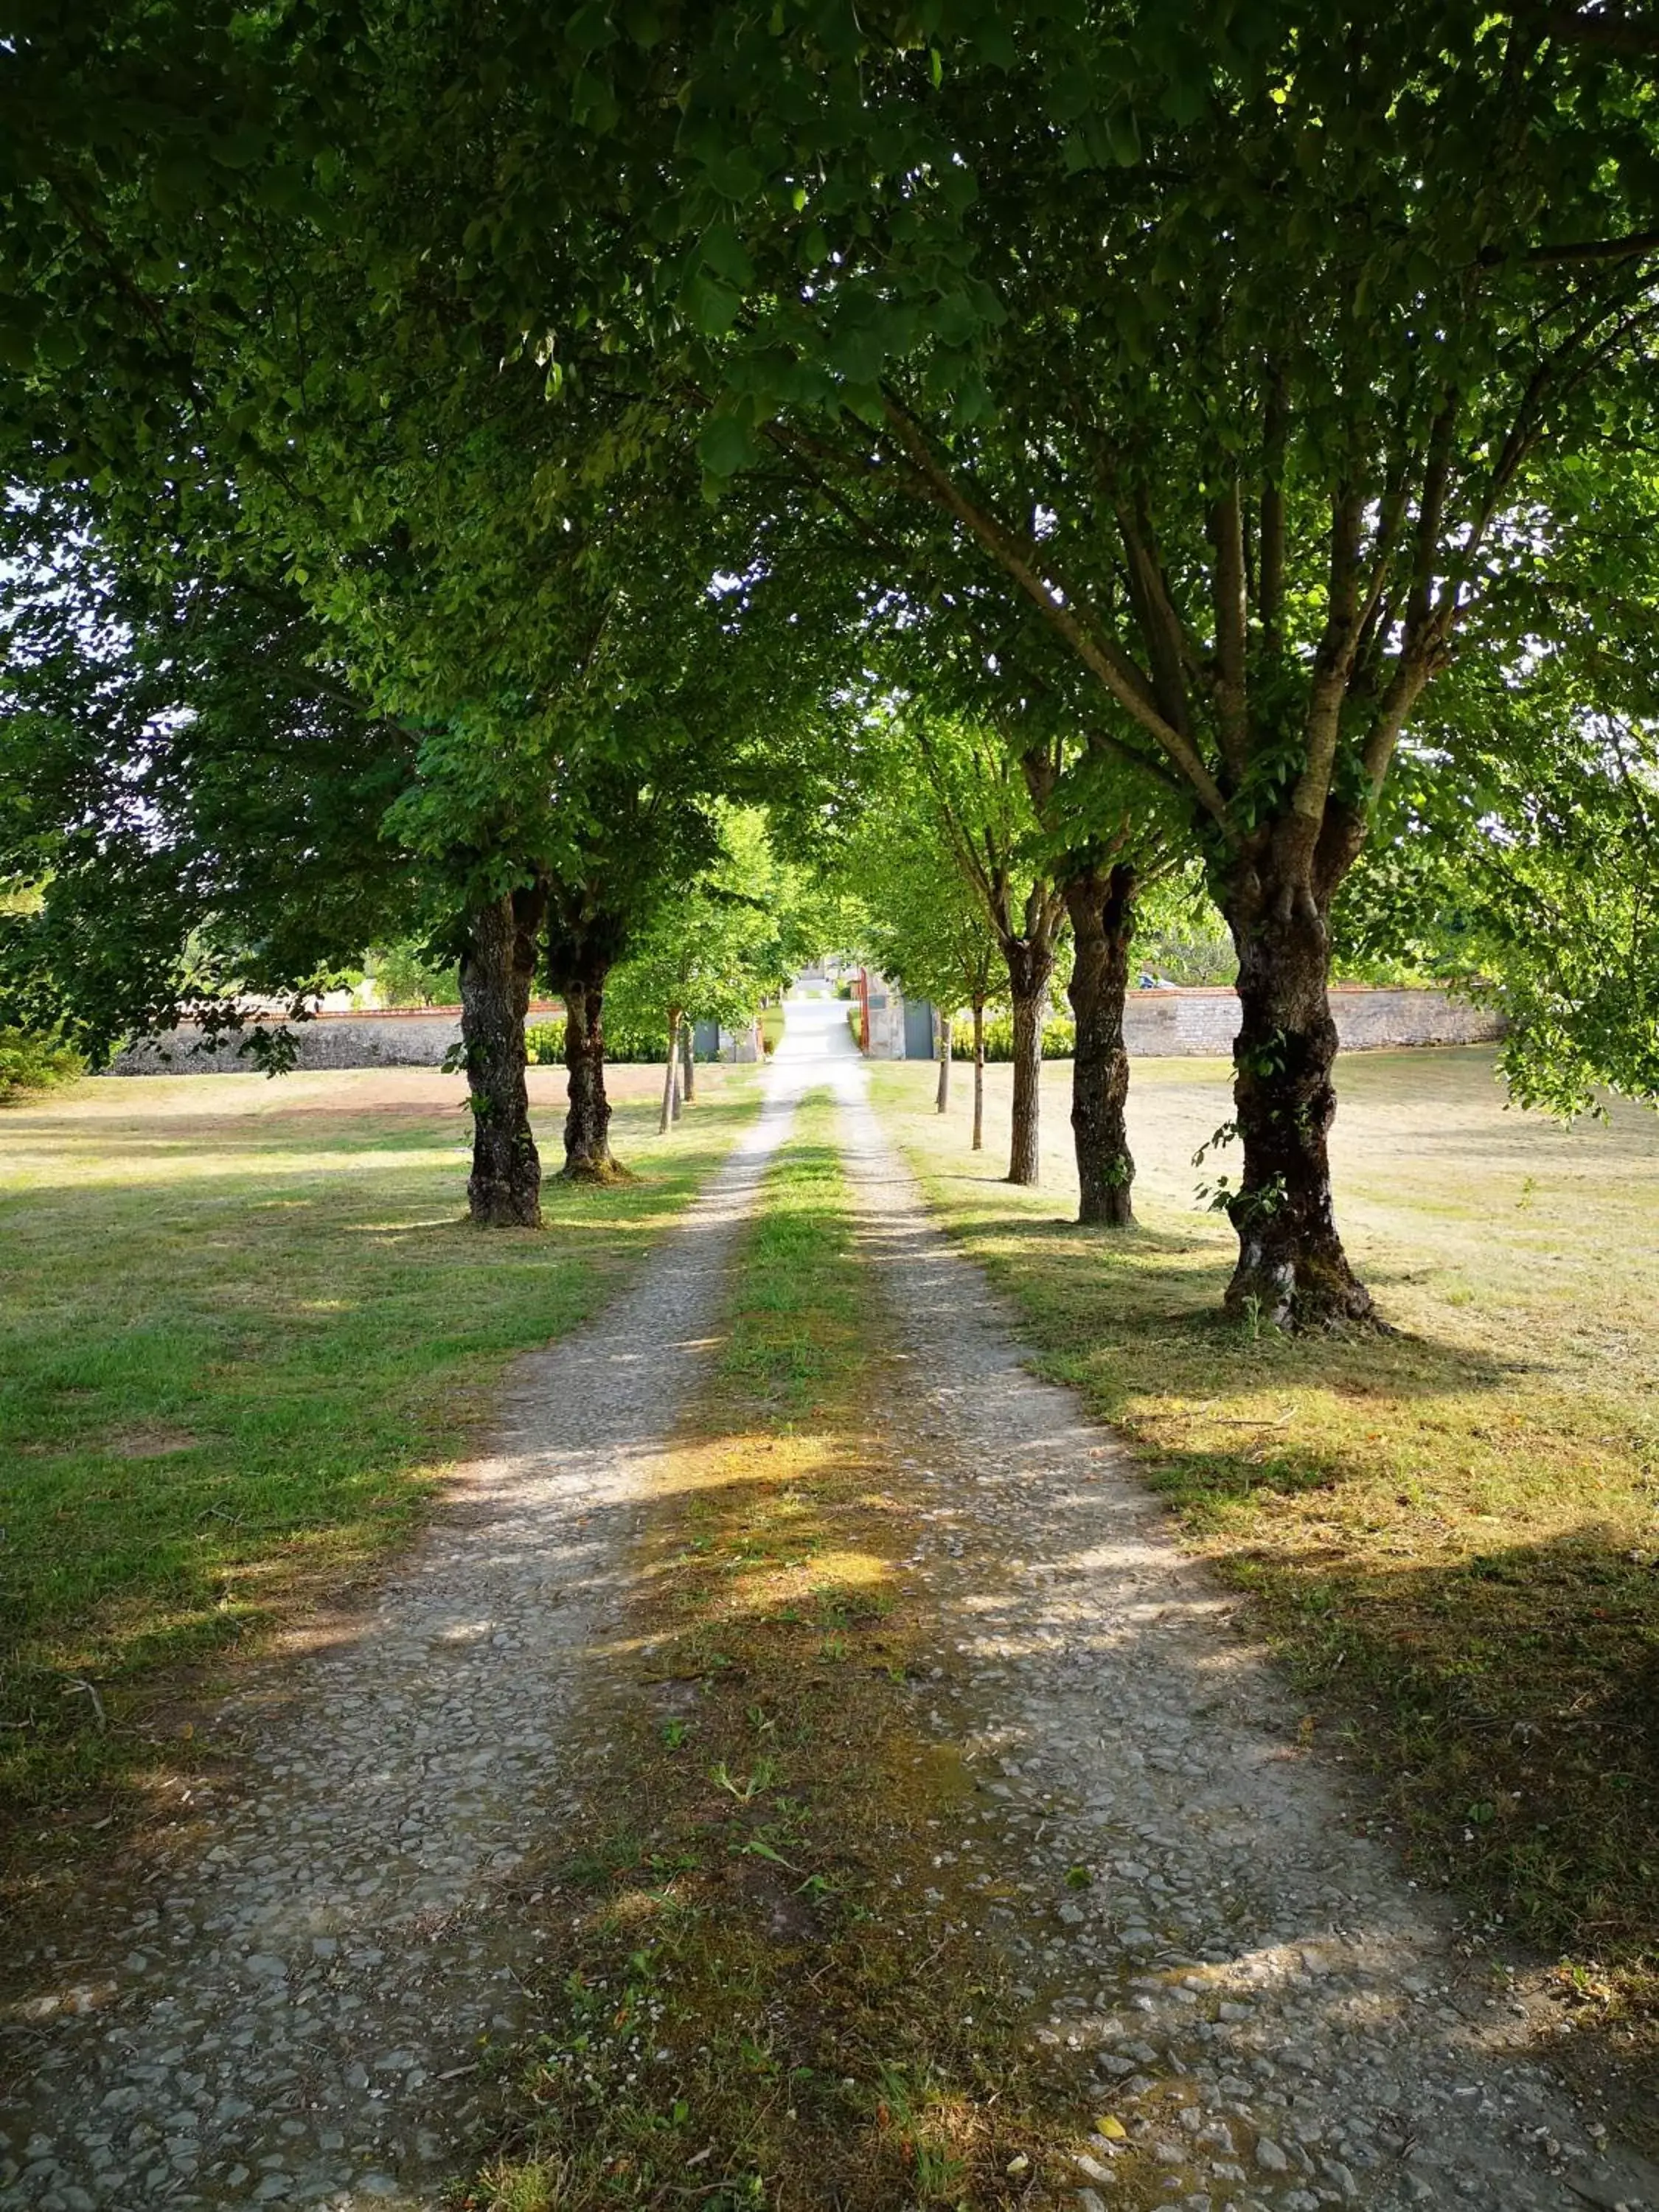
(416, 1037)
(1196, 1025)
(1157, 1024)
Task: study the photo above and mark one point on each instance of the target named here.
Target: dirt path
(290, 2013)
(1278, 2022)
(1279, 2019)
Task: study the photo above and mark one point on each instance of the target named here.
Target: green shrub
(543, 1044)
(405, 978)
(641, 1044)
(29, 1062)
(1189, 959)
(1059, 1039)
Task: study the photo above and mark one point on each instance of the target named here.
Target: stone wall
(1202, 1023)
(1157, 1024)
(416, 1037)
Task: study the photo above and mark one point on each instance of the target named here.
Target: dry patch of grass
(245, 1330)
(1453, 1533)
(766, 1987)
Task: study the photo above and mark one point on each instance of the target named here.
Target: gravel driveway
(1278, 2021)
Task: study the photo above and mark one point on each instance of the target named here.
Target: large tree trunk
(587, 1155)
(498, 965)
(943, 1102)
(1101, 903)
(1293, 1271)
(1030, 969)
(979, 1076)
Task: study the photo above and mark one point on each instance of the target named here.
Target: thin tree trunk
(688, 1048)
(497, 968)
(674, 1076)
(1030, 968)
(979, 1076)
(1293, 1271)
(1101, 902)
(944, 1100)
(587, 1155)
(667, 1113)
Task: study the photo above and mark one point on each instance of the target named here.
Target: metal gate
(918, 1029)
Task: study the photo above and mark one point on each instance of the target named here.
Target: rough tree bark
(498, 965)
(1101, 902)
(588, 1155)
(979, 1076)
(584, 942)
(670, 1099)
(1293, 1271)
(1030, 968)
(944, 1100)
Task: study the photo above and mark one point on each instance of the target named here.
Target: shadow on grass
(1143, 1306)
(1507, 1704)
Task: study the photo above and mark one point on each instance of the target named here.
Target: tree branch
(1595, 249)
(1270, 597)
(1021, 561)
(1333, 663)
(1226, 521)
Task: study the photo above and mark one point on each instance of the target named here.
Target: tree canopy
(1196, 390)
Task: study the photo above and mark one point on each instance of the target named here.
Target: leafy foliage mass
(30, 1063)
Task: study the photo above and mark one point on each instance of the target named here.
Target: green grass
(1452, 1533)
(245, 1329)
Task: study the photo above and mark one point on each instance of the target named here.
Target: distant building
(894, 1027)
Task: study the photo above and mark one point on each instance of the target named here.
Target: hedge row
(543, 1044)
(1058, 1039)
(29, 1062)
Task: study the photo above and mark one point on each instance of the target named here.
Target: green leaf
(1123, 136)
(591, 29)
(735, 174)
(723, 252)
(712, 307)
(724, 444)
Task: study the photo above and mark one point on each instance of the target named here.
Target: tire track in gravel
(288, 2013)
(1279, 2020)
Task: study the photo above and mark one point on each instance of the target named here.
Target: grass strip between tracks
(761, 1987)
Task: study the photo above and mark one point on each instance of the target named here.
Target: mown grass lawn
(245, 1329)
(1453, 1532)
